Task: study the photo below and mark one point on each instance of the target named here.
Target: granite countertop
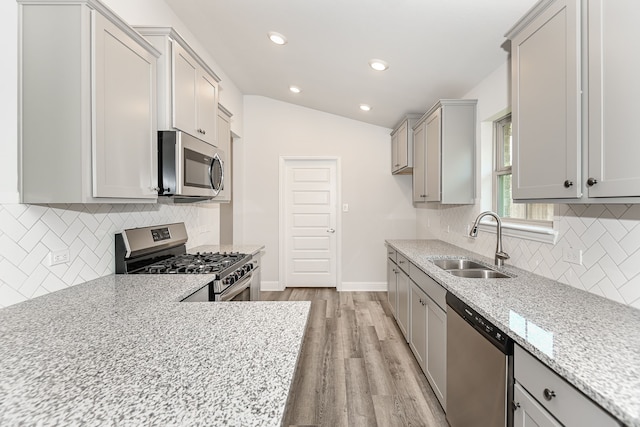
(122, 350)
(593, 342)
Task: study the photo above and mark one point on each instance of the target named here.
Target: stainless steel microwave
(189, 169)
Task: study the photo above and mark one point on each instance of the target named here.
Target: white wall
(379, 203)
(609, 235)
(29, 232)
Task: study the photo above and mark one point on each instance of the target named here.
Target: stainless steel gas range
(162, 250)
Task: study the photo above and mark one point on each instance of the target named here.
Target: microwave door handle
(216, 189)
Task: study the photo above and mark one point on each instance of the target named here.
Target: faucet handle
(502, 255)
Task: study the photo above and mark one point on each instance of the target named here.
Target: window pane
(540, 211)
(504, 195)
(506, 138)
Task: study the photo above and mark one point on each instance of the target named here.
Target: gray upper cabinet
(614, 90)
(574, 85)
(87, 95)
(224, 143)
(444, 153)
(545, 67)
(402, 145)
(187, 87)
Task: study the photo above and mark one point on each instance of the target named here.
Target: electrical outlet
(58, 257)
(572, 255)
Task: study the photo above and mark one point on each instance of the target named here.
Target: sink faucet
(500, 254)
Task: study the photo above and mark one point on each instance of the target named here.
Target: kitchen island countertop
(593, 342)
(122, 350)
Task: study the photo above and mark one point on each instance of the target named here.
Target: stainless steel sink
(469, 269)
(457, 264)
(479, 273)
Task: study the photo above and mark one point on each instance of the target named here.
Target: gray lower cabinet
(528, 412)
(542, 398)
(392, 286)
(403, 289)
(428, 330)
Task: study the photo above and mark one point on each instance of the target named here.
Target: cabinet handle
(568, 184)
(400, 262)
(591, 182)
(516, 405)
(548, 394)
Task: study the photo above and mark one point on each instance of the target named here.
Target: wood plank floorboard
(355, 367)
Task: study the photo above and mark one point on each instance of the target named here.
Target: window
(535, 213)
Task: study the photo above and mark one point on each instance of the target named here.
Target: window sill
(536, 233)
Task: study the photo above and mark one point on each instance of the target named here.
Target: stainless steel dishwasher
(479, 369)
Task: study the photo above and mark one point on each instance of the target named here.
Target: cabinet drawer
(403, 263)
(566, 403)
(391, 254)
(436, 292)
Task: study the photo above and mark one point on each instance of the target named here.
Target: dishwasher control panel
(481, 324)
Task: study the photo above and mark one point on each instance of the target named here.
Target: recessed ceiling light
(295, 89)
(365, 107)
(378, 64)
(277, 38)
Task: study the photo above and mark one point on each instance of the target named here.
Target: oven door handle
(233, 290)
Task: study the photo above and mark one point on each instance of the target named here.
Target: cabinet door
(395, 165)
(418, 337)
(207, 105)
(124, 146)
(185, 86)
(614, 88)
(392, 287)
(403, 303)
(436, 361)
(419, 157)
(546, 90)
(402, 156)
(528, 413)
(432, 161)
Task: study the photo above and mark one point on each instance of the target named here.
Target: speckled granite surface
(121, 350)
(593, 342)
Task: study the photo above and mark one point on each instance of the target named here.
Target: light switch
(345, 207)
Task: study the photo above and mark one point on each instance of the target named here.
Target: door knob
(331, 230)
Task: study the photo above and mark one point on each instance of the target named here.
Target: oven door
(239, 291)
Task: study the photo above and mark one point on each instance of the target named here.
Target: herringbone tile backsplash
(608, 235)
(29, 232)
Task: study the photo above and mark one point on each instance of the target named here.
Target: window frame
(499, 170)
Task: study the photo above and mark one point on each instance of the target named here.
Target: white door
(309, 213)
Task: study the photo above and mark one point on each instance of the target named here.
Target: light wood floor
(355, 368)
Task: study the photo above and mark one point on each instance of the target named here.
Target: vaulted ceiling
(435, 49)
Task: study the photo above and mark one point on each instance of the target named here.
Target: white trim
(536, 233)
(363, 287)
(271, 286)
(281, 220)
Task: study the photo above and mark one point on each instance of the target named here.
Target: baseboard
(363, 287)
(270, 286)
